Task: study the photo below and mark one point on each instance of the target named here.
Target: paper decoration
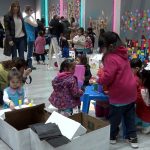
(136, 21)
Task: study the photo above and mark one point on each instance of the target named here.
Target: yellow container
(20, 102)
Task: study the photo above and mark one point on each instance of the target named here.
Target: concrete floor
(40, 90)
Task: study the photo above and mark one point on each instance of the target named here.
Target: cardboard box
(68, 127)
(15, 132)
(14, 129)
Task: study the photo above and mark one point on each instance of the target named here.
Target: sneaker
(133, 142)
(146, 130)
(113, 141)
(33, 68)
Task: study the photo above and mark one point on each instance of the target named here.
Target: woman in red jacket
(143, 101)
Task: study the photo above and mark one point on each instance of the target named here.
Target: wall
(94, 8)
(5, 4)
(135, 7)
(38, 9)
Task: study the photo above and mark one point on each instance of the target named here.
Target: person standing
(15, 32)
(30, 25)
(1, 35)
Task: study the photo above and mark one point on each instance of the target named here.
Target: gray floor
(40, 90)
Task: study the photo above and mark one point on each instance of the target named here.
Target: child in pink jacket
(118, 77)
(40, 47)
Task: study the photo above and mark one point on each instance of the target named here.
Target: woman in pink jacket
(40, 47)
(118, 77)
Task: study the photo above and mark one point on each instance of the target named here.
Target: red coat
(142, 111)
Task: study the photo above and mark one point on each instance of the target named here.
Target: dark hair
(55, 17)
(82, 30)
(66, 64)
(17, 62)
(72, 20)
(62, 17)
(111, 41)
(28, 8)
(90, 29)
(41, 33)
(13, 4)
(101, 38)
(83, 59)
(136, 62)
(14, 73)
(145, 76)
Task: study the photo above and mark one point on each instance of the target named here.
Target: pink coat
(118, 77)
(40, 45)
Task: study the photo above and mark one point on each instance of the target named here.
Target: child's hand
(12, 105)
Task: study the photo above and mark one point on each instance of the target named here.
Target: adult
(1, 35)
(5, 67)
(55, 27)
(65, 23)
(15, 32)
(30, 25)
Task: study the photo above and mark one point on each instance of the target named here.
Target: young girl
(119, 79)
(15, 91)
(64, 46)
(88, 44)
(66, 94)
(79, 41)
(82, 60)
(143, 101)
(92, 35)
(40, 47)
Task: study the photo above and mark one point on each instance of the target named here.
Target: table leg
(86, 103)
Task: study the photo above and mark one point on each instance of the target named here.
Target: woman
(15, 32)
(30, 25)
(6, 66)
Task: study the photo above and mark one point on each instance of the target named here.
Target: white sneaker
(133, 142)
(113, 141)
(146, 130)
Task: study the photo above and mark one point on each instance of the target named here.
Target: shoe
(133, 142)
(113, 141)
(146, 130)
(33, 68)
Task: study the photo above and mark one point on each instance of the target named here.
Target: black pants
(116, 114)
(38, 57)
(1, 98)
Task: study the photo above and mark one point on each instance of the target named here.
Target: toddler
(15, 91)
(66, 94)
(40, 43)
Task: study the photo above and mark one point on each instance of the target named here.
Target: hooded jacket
(40, 43)
(66, 93)
(118, 77)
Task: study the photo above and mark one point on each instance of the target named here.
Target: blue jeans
(30, 53)
(19, 44)
(115, 117)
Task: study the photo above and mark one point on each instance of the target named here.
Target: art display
(100, 23)
(54, 10)
(136, 21)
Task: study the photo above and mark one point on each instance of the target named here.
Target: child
(15, 91)
(143, 101)
(92, 35)
(66, 94)
(79, 41)
(119, 79)
(64, 46)
(82, 60)
(88, 44)
(40, 43)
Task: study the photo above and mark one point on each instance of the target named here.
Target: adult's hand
(27, 72)
(11, 43)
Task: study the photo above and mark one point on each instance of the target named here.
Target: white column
(116, 18)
